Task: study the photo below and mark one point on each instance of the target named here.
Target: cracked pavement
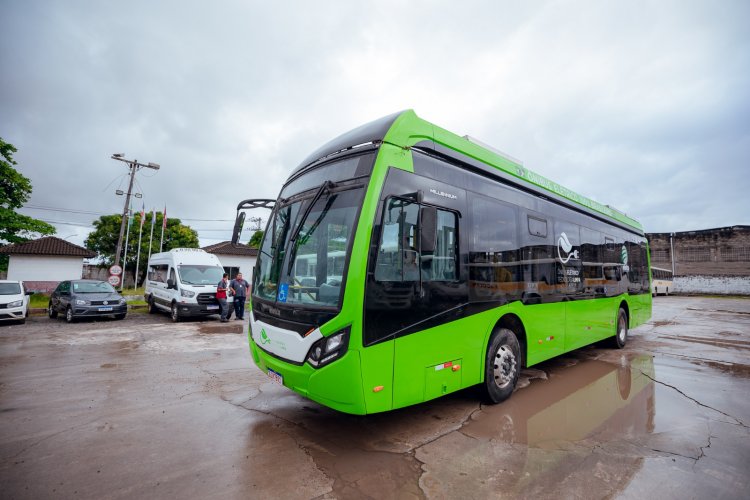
(146, 408)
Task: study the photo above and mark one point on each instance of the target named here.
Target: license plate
(210, 308)
(276, 377)
(103, 309)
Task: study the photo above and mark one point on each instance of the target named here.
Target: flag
(138, 257)
(151, 237)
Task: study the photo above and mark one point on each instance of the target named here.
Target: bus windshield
(302, 261)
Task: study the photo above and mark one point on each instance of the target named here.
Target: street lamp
(134, 166)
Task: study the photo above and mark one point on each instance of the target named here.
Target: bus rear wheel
(502, 365)
(621, 334)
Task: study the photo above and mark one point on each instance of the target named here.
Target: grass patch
(39, 300)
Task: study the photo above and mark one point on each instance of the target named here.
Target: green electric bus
(402, 262)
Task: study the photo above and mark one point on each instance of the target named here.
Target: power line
(88, 212)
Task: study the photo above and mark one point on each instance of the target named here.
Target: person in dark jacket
(239, 288)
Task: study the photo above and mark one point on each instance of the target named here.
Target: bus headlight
(328, 348)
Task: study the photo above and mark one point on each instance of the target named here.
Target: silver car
(85, 299)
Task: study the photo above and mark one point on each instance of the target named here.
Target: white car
(14, 301)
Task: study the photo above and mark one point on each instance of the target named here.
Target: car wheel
(621, 334)
(69, 315)
(51, 311)
(502, 365)
(175, 313)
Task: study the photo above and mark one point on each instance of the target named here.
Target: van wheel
(151, 305)
(502, 365)
(175, 313)
(51, 311)
(621, 334)
(69, 315)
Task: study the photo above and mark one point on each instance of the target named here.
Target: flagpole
(140, 233)
(125, 256)
(163, 225)
(151, 237)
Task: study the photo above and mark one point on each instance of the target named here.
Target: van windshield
(200, 275)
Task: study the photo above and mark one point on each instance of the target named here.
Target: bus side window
(398, 259)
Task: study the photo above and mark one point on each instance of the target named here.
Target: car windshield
(200, 275)
(10, 288)
(93, 287)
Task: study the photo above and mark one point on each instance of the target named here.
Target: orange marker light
(377, 388)
(456, 368)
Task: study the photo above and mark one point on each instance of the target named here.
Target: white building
(45, 262)
(235, 258)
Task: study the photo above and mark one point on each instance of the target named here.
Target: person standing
(239, 288)
(221, 296)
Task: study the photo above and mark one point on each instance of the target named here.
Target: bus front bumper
(337, 385)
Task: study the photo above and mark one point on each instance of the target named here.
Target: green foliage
(15, 190)
(255, 239)
(103, 239)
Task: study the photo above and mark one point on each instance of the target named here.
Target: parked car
(86, 298)
(14, 301)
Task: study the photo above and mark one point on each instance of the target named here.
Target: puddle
(575, 403)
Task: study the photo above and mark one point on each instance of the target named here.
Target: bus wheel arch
(503, 359)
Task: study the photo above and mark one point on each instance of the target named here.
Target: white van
(183, 282)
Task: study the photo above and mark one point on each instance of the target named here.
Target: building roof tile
(49, 245)
(226, 248)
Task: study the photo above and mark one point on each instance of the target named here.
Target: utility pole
(134, 166)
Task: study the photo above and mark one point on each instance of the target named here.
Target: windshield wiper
(326, 186)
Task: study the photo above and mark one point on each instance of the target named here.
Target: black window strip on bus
(429, 148)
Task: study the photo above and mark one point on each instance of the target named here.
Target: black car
(85, 299)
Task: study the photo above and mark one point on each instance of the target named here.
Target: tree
(103, 239)
(15, 190)
(255, 239)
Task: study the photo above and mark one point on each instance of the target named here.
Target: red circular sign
(115, 270)
(113, 280)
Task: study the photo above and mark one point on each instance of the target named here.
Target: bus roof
(406, 129)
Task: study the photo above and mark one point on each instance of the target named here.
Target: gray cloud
(642, 105)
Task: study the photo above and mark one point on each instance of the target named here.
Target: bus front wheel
(502, 365)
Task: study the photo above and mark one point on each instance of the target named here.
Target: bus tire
(502, 365)
(621, 331)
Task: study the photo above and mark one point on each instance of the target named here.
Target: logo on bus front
(264, 337)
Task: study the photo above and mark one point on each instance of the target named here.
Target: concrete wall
(723, 251)
(246, 264)
(44, 268)
(716, 285)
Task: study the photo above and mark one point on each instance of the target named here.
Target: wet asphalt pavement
(143, 408)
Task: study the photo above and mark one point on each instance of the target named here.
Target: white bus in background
(661, 281)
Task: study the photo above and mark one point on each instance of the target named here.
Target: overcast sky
(641, 105)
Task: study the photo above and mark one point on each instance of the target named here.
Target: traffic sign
(113, 280)
(115, 270)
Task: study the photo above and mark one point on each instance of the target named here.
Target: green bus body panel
(443, 359)
(409, 129)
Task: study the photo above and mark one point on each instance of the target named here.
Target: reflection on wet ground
(155, 410)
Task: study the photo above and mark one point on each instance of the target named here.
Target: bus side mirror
(238, 223)
(427, 229)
